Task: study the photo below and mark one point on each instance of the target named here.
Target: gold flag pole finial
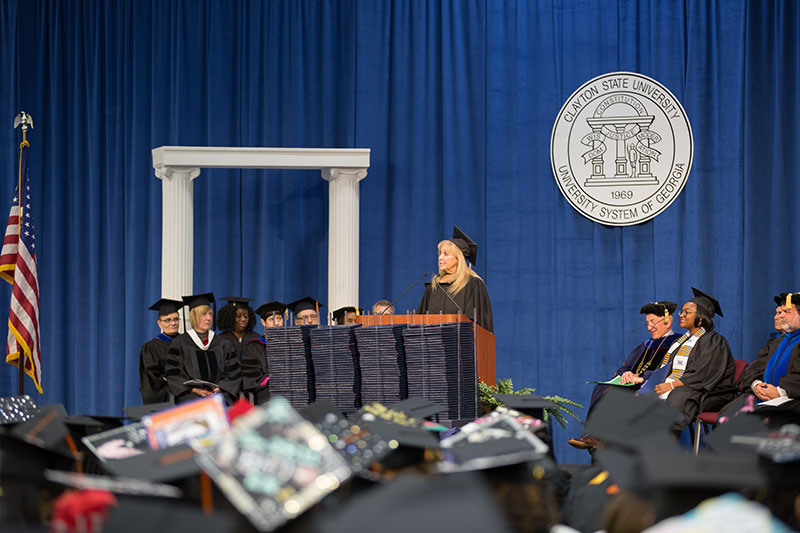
(26, 121)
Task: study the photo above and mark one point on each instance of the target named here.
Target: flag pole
(22, 119)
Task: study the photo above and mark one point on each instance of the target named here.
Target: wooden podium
(484, 340)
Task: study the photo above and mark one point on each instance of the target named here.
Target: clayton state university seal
(621, 149)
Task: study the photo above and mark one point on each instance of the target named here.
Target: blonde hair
(463, 272)
(195, 314)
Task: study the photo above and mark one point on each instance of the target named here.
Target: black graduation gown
(756, 369)
(239, 345)
(643, 359)
(710, 367)
(218, 364)
(255, 369)
(473, 301)
(152, 360)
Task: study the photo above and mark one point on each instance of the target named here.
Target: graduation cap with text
(304, 304)
(267, 309)
(167, 306)
(467, 246)
(706, 302)
(340, 314)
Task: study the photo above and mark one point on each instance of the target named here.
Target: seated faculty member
(306, 311)
(776, 370)
(255, 370)
(153, 355)
(200, 354)
(383, 307)
(698, 362)
(347, 316)
(236, 320)
(643, 360)
(457, 288)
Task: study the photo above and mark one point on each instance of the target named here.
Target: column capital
(334, 174)
(170, 173)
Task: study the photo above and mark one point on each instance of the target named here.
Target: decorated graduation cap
(467, 246)
(340, 314)
(267, 309)
(304, 304)
(664, 308)
(238, 301)
(166, 306)
(706, 302)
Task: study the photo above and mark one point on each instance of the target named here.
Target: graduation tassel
(788, 300)
(666, 315)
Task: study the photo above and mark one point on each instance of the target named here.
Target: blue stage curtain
(457, 101)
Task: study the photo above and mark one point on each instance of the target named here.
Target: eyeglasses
(170, 320)
(654, 323)
(684, 312)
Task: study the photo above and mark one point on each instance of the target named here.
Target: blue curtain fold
(457, 101)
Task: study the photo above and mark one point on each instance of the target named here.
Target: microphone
(425, 275)
(452, 300)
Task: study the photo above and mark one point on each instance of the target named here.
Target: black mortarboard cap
(166, 306)
(496, 440)
(625, 418)
(658, 308)
(530, 404)
(46, 429)
(418, 408)
(709, 304)
(195, 300)
(407, 436)
(339, 314)
(305, 303)
(794, 298)
(318, 410)
(137, 514)
(722, 440)
(165, 465)
(265, 310)
(457, 502)
(136, 412)
(237, 301)
(467, 246)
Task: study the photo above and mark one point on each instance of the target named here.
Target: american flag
(18, 267)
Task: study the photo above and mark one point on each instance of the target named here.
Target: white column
(343, 224)
(177, 230)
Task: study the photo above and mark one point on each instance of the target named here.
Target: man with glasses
(642, 361)
(153, 355)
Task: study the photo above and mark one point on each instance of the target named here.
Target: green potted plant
(559, 413)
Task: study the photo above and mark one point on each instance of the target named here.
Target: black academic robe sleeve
(239, 345)
(184, 363)
(711, 365)
(791, 381)
(152, 360)
(255, 370)
(756, 369)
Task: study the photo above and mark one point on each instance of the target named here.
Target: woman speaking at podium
(457, 288)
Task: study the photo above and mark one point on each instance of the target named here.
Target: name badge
(679, 362)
